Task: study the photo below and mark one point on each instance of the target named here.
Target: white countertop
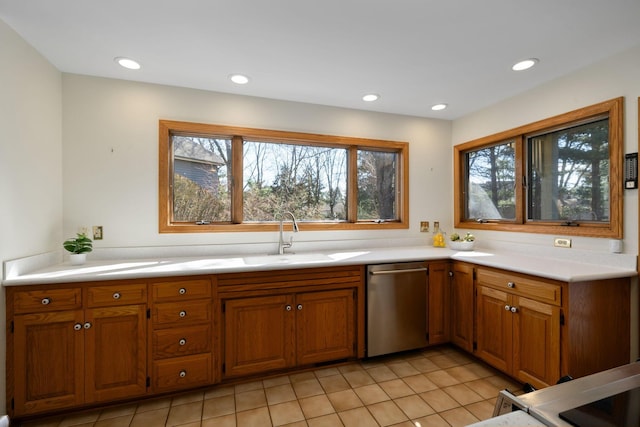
(114, 269)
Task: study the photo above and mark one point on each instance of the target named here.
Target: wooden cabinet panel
(438, 305)
(494, 328)
(176, 314)
(36, 301)
(518, 284)
(259, 334)
(115, 352)
(48, 361)
(182, 341)
(325, 326)
(117, 294)
(462, 316)
(182, 372)
(177, 290)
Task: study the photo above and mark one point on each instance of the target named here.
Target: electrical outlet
(83, 230)
(561, 242)
(424, 226)
(97, 232)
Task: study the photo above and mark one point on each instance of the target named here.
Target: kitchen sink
(302, 258)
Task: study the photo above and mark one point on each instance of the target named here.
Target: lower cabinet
(462, 309)
(297, 327)
(438, 295)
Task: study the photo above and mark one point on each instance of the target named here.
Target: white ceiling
(414, 53)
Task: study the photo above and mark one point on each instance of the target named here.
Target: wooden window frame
(167, 128)
(612, 229)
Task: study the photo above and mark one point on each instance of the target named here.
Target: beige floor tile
(424, 365)
(331, 420)
(122, 421)
(316, 406)
(272, 382)
(153, 404)
(371, 393)
(286, 413)
(382, 373)
(414, 407)
(441, 378)
(351, 367)
(279, 394)
(117, 411)
(439, 400)
(444, 361)
(484, 388)
(459, 417)
(254, 417)
(434, 420)
(481, 370)
(224, 421)
(387, 413)
(155, 417)
(359, 417)
(404, 424)
(183, 414)
(344, 400)
(219, 391)
(250, 400)
(219, 406)
(250, 386)
(334, 383)
(45, 422)
(308, 388)
(503, 382)
(302, 376)
(302, 423)
(396, 388)
(181, 399)
(403, 369)
(463, 394)
(81, 418)
(463, 373)
(358, 378)
(420, 383)
(482, 410)
(327, 372)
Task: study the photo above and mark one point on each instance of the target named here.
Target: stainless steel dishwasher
(396, 307)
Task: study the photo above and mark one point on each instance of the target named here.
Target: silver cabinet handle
(299, 307)
(182, 313)
(182, 341)
(511, 285)
(77, 326)
(507, 307)
(182, 291)
(46, 301)
(183, 373)
(87, 325)
(288, 307)
(116, 295)
(408, 270)
(514, 309)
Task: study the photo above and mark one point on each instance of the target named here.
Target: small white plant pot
(77, 259)
(460, 245)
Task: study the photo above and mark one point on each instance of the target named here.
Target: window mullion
(236, 180)
(352, 184)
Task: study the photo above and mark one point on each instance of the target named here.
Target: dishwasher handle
(400, 271)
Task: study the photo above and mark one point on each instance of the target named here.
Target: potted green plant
(78, 247)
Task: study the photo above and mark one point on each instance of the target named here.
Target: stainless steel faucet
(282, 245)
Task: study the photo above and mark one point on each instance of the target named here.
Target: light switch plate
(561, 242)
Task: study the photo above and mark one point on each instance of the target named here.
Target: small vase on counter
(438, 236)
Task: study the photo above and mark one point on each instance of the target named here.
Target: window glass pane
(309, 181)
(377, 185)
(568, 174)
(200, 180)
(490, 182)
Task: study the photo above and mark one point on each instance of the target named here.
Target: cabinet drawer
(181, 290)
(520, 285)
(101, 296)
(38, 301)
(182, 372)
(176, 314)
(181, 342)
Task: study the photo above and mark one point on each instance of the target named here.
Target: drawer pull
(183, 373)
(77, 327)
(299, 307)
(183, 314)
(182, 291)
(507, 307)
(116, 295)
(514, 309)
(511, 285)
(87, 325)
(182, 341)
(288, 307)
(46, 301)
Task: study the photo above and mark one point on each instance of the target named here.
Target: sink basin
(286, 259)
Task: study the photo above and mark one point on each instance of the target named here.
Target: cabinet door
(462, 306)
(258, 334)
(494, 328)
(438, 311)
(116, 354)
(536, 342)
(48, 361)
(325, 326)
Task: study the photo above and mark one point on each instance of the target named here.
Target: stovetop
(618, 410)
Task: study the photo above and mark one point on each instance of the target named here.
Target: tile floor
(438, 387)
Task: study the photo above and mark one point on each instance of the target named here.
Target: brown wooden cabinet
(289, 319)
(66, 352)
(438, 305)
(462, 308)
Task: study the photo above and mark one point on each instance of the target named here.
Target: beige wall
(30, 159)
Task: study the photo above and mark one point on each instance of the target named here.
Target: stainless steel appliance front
(396, 307)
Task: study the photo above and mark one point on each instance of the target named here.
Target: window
(560, 175)
(222, 178)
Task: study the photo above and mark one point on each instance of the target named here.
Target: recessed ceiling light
(370, 97)
(524, 65)
(439, 107)
(127, 63)
(239, 79)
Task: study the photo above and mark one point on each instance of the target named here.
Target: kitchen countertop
(115, 269)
